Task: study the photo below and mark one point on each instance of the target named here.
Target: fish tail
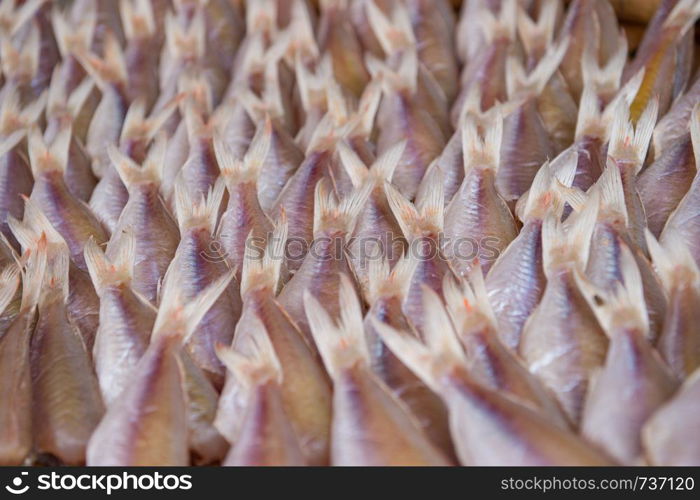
(671, 256)
(683, 16)
(108, 70)
(340, 343)
(103, 272)
(624, 307)
(203, 212)
(631, 142)
(15, 119)
(24, 59)
(609, 75)
(74, 36)
(311, 83)
(189, 42)
(30, 230)
(367, 108)
(480, 149)
(247, 169)
(612, 194)
(501, 25)
(179, 319)
(467, 299)
(393, 32)
(265, 270)
(551, 188)
(352, 164)
(137, 18)
(74, 102)
(518, 83)
(259, 365)
(33, 276)
(45, 158)
(9, 283)
(386, 280)
(327, 209)
(540, 33)
(151, 170)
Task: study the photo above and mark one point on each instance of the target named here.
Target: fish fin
(311, 83)
(73, 37)
(542, 195)
(385, 281)
(405, 212)
(56, 276)
(137, 18)
(195, 87)
(519, 84)
(540, 33)
(590, 117)
(628, 142)
(612, 194)
(324, 137)
(393, 33)
(151, 170)
(79, 96)
(135, 118)
(672, 258)
(265, 269)
(564, 168)
(341, 344)
(45, 158)
(352, 164)
(20, 16)
(608, 76)
(483, 150)
(431, 204)
(33, 276)
(103, 272)
(367, 108)
(22, 60)
(186, 43)
(580, 230)
(327, 210)
(203, 212)
(9, 283)
(504, 25)
(261, 15)
(384, 167)
(259, 366)
(625, 307)
(247, 169)
(179, 319)
(29, 231)
(108, 70)
(467, 300)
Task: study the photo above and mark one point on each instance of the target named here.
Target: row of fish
(369, 232)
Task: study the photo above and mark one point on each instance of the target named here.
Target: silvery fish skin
(679, 275)
(15, 180)
(433, 24)
(636, 381)
(296, 199)
(319, 273)
(370, 425)
(665, 434)
(516, 282)
(673, 125)
(147, 218)
(62, 111)
(304, 387)
(386, 297)
(488, 359)
(67, 405)
(674, 169)
(167, 407)
(195, 266)
(266, 437)
(69, 216)
(477, 211)
(147, 424)
(337, 38)
(402, 116)
(15, 382)
(488, 427)
(125, 319)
